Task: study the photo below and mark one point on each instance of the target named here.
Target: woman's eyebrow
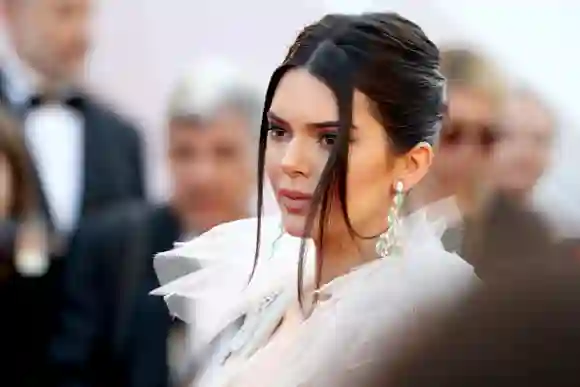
(273, 117)
(318, 125)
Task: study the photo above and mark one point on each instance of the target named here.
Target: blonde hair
(468, 69)
(464, 68)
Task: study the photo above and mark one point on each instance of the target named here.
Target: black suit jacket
(113, 173)
(113, 162)
(91, 348)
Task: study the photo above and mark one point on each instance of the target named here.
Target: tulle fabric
(207, 280)
(338, 340)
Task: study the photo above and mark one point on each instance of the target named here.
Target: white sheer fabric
(338, 340)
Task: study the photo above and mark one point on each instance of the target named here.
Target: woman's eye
(328, 139)
(276, 132)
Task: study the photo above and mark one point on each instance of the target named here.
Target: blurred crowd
(78, 233)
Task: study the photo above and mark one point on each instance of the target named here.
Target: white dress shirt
(54, 135)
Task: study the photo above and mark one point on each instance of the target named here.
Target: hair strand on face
(388, 59)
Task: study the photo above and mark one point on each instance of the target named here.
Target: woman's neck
(341, 255)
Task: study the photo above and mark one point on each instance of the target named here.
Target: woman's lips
(295, 202)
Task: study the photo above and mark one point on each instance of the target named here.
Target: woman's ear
(414, 165)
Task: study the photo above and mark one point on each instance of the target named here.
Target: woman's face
(5, 186)
(303, 120)
(524, 149)
(466, 139)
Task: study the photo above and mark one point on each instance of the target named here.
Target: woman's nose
(295, 161)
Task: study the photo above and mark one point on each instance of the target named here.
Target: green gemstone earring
(388, 242)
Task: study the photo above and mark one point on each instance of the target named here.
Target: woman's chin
(294, 225)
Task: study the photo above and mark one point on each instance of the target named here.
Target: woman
(348, 124)
(476, 96)
(21, 237)
(524, 150)
(22, 254)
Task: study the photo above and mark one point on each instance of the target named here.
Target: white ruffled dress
(345, 332)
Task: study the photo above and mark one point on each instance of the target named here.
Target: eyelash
(277, 133)
(273, 130)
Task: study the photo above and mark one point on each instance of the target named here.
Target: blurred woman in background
(22, 254)
(476, 93)
(18, 204)
(525, 146)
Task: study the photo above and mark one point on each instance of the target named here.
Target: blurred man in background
(85, 158)
(112, 332)
(213, 165)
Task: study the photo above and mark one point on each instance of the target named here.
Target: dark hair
(390, 60)
(13, 147)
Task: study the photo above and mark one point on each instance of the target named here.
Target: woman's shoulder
(231, 236)
(422, 271)
(206, 281)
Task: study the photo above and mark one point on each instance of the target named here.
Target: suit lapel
(95, 169)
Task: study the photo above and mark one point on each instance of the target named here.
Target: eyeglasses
(457, 133)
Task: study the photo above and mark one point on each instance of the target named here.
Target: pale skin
(51, 36)
(523, 152)
(212, 170)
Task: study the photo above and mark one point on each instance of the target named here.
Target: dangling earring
(388, 242)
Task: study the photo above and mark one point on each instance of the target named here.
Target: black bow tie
(74, 101)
